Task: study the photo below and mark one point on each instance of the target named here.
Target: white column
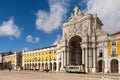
(64, 53)
(37, 65)
(49, 65)
(57, 66)
(68, 57)
(83, 56)
(44, 65)
(86, 60)
(15, 66)
(23, 63)
(90, 59)
(118, 67)
(62, 60)
(52, 66)
(94, 60)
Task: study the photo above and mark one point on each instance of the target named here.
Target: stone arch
(35, 65)
(114, 66)
(42, 66)
(75, 50)
(100, 65)
(32, 66)
(38, 65)
(25, 66)
(50, 66)
(59, 66)
(54, 66)
(46, 65)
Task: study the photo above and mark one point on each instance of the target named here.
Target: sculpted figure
(76, 10)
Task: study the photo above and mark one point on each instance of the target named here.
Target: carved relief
(85, 27)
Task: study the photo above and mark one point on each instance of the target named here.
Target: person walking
(10, 69)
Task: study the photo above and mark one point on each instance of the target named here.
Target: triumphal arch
(83, 44)
(82, 35)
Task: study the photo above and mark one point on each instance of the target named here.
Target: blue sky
(33, 24)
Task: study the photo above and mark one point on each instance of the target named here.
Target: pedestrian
(9, 69)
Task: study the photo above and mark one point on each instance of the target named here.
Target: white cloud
(108, 11)
(57, 40)
(30, 39)
(50, 21)
(10, 29)
(25, 49)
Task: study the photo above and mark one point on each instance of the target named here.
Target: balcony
(114, 55)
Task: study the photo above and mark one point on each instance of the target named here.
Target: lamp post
(103, 64)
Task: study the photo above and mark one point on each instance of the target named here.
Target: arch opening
(75, 51)
(100, 66)
(114, 66)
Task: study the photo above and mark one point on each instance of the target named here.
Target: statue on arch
(76, 10)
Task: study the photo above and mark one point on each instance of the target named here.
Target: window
(114, 43)
(113, 52)
(100, 53)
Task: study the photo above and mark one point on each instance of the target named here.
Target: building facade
(41, 59)
(1, 61)
(83, 43)
(13, 61)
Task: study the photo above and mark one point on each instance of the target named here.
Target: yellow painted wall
(118, 47)
(52, 55)
(109, 48)
(44, 56)
(40, 56)
(48, 56)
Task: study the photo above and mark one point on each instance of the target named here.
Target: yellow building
(13, 60)
(114, 53)
(41, 59)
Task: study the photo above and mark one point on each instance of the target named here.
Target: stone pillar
(118, 67)
(94, 60)
(48, 65)
(64, 53)
(86, 60)
(83, 56)
(57, 66)
(15, 66)
(52, 66)
(68, 57)
(23, 63)
(44, 66)
(37, 65)
(62, 60)
(90, 59)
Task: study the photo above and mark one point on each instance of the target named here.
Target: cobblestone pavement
(31, 75)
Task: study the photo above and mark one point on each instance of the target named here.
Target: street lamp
(103, 64)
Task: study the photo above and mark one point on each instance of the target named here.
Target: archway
(30, 65)
(42, 66)
(25, 66)
(54, 66)
(50, 66)
(38, 65)
(59, 66)
(75, 51)
(35, 66)
(114, 66)
(46, 66)
(100, 66)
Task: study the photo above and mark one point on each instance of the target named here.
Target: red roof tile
(117, 33)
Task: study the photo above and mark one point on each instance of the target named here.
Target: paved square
(31, 75)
